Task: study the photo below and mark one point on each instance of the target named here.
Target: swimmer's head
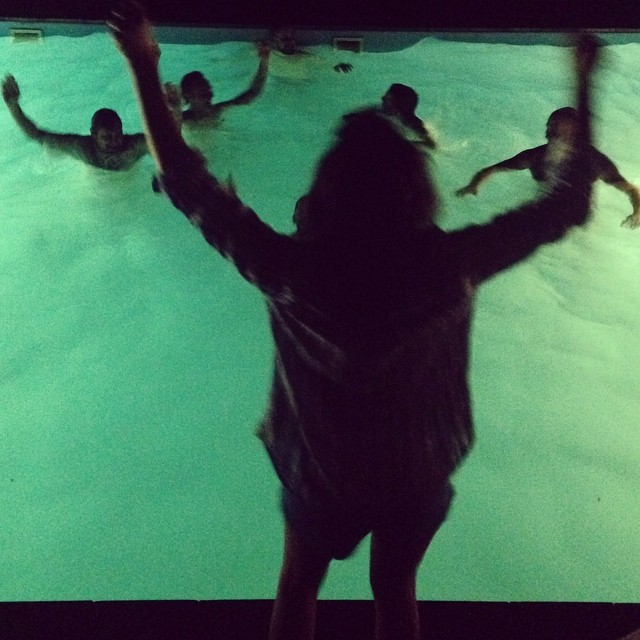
(562, 124)
(106, 130)
(283, 39)
(371, 183)
(196, 89)
(399, 99)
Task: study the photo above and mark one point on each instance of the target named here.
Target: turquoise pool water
(134, 363)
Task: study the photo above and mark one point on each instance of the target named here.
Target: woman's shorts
(338, 528)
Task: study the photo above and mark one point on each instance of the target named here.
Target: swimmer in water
(540, 161)
(283, 41)
(399, 103)
(198, 94)
(106, 148)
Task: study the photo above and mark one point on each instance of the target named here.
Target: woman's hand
(133, 33)
(587, 53)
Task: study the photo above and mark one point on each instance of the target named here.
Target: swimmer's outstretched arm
(134, 37)
(478, 178)
(257, 84)
(518, 162)
(611, 175)
(633, 193)
(11, 96)
(69, 143)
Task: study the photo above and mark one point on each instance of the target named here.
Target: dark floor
(337, 620)
(416, 15)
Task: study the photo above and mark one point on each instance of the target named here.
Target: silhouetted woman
(370, 306)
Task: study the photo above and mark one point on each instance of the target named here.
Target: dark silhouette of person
(370, 306)
(400, 103)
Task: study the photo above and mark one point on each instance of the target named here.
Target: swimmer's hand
(10, 90)
(133, 33)
(469, 189)
(475, 182)
(343, 67)
(632, 221)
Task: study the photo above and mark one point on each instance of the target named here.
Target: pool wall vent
(348, 44)
(21, 35)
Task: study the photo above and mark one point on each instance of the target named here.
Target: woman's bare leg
(294, 610)
(394, 564)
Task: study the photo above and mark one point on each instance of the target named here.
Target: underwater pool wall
(375, 40)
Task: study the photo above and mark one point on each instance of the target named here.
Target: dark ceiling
(363, 14)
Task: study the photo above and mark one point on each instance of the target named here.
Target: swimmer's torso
(543, 160)
(131, 150)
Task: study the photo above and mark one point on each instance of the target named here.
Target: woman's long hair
(371, 184)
